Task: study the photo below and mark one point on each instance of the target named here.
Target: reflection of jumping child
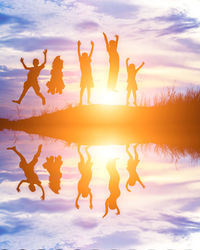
(85, 169)
(86, 72)
(32, 78)
(111, 47)
(132, 85)
(56, 84)
(111, 202)
(132, 165)
(53, 165)
(28, 168)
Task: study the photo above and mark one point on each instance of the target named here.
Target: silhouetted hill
(96, 124)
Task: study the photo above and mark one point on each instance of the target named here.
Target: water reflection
(95, 176)
(85, 169)
(111, 201)
(131, 167)
(31, 177)
(53, 165)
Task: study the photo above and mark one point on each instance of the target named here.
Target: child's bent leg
(38, 93)
(26, 88)
(88, 95)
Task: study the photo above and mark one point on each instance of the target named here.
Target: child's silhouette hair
(132, 84)
(56, 84)
(111, 201)
(85, 169)
(132, 165)
(32, 78)
(28, 168)
(53, 166)
(111, 47)
(86, 73)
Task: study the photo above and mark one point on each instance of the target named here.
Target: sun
(108, 98)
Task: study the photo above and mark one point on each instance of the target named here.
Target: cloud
(31, 206)
(180, 23)
(182, 226)
(116, 9)
(117, 240)
(13, 225)
(88, 26)
(17, 24)
(189, 44)
(88, 223)
(36, 43)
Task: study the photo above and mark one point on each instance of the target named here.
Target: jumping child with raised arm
(132, 84)
(32, 80)
(86, 73)
(111, 48)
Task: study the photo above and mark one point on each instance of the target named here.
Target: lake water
(163, 214)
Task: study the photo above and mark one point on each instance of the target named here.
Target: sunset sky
(163, 34)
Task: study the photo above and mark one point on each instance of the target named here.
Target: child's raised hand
(92, 43)
(79, 43)
(127, 59)
(117, 36)
(104, 34)
(45, 51)
(21, 59)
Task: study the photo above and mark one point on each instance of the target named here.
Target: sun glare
(109, 98)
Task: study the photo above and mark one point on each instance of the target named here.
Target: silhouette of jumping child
(111, 202)
(86, 73)
(132, 165)
(85, 169)
(111, 47)
(132, 84)
(53, 165)
(28, 168)
(32, 78)
(56, 84)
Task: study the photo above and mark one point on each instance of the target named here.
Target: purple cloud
(88, 26)
(180, 23)
(36, 43)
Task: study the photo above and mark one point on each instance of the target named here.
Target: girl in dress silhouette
(111, 47)
(132, 85)
(53, 166)
(86, 73)
(111, 202)
(56, 84)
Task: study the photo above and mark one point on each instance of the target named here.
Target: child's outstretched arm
(79, 46)
(127, 59)
(43, 193)
(106, 208)
(140, 67)
(45, 58)
(118, 211)
(18, 187)
(91, 206)
(22, 61)
(106, 41)
(117, 39)
(91, 51)
(139, 180)
(76, 204)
